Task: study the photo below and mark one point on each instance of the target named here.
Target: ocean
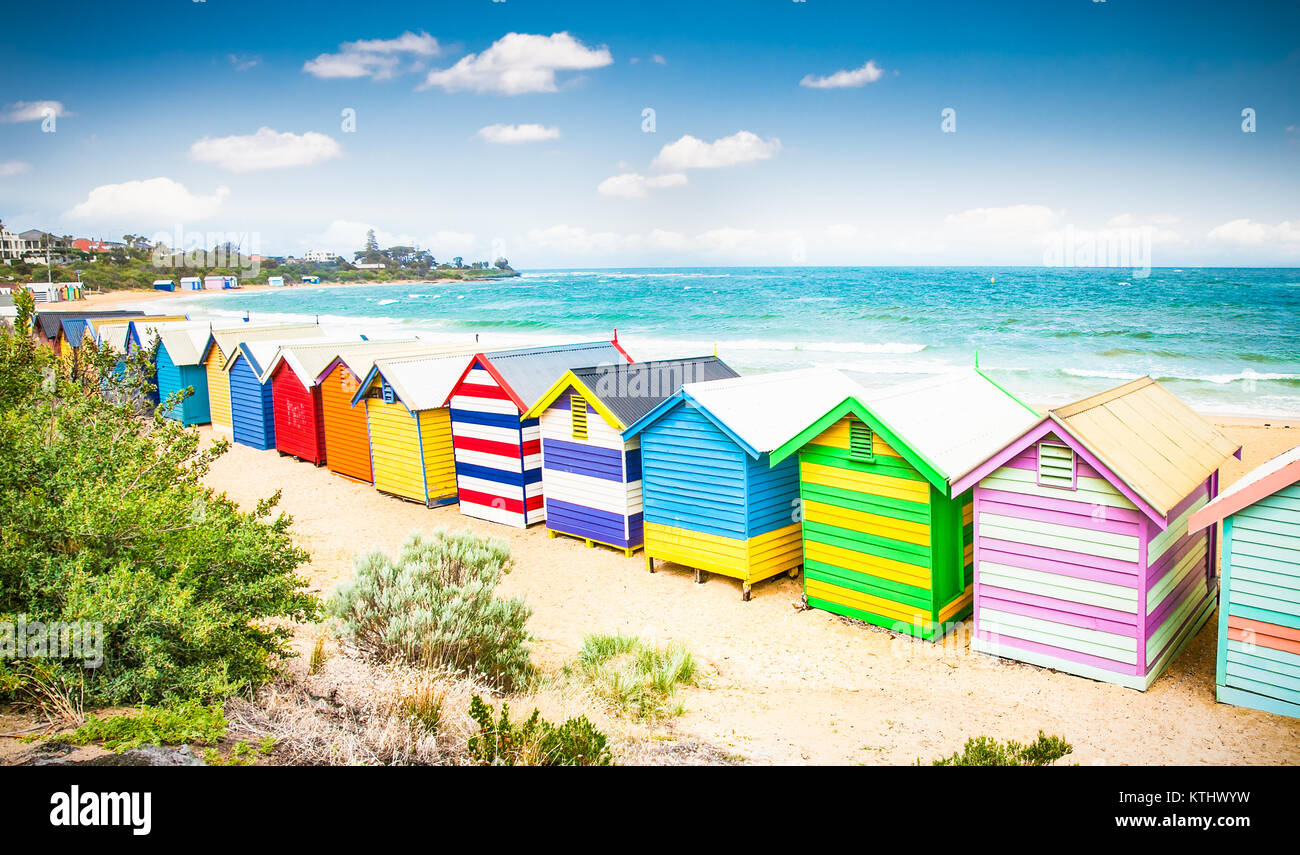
(1226, 340)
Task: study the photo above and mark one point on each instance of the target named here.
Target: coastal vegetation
(436, 606)
(105, 520)
(985, 751)
(135, 266)
(633, 677)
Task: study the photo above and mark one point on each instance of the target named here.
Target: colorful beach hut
(252, 396)
(221, 345)
(497, 450)
(886, 531)
(409, 425)
(591, 474)
(179, 365)
(294, 375)
(712, 500)
(347, 435)
(1259, 588)
(1084, 558)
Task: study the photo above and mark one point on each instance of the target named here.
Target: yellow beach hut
(222, 345)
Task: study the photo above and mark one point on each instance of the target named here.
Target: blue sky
(1078, 124)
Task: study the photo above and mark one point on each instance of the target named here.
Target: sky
(574, 134)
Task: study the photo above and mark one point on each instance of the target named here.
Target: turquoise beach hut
(179, 365)
(1258, 662)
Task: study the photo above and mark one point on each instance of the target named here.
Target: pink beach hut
(1084, 561)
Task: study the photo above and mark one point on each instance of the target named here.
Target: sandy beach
(789, 686)
(784, 685)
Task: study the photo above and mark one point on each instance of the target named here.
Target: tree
(458, 261)
(501, 263)
(373, 255)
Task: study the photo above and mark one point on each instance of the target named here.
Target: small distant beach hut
(164, 285)
(191, 283)
(1259, 588)
(347, 436)
(886, 532)
(712, 501)
(591, 475)
(275, 281)
(294, 375)
(409, 424)
(217, 352)
(1084, 558)
(179, 365)
(252, 395)
(498, 451)
(311, 280)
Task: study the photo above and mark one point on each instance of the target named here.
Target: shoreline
(127, 298)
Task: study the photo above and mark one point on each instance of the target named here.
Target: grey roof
(50, 321)
(633, 389)
(529, 373)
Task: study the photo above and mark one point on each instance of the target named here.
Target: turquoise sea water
(1227, 340)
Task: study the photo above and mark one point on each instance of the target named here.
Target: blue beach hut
(592, 474)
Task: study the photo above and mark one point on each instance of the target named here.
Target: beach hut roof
(761, 411)
(360, 361)
(421, 383)
(1150, 438)
(115, 335)
(1257, 484)
(185, 343)
(228, 339)
(262, 353)
(51, 321)
(624, 393)
(308, 359)
(945, 425)
(527, 373)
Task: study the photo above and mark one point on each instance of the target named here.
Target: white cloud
(378, 59)
(632, 185)
(147, 204)
(1013, 222)
(266, 149)
(348, 236)
(243, 62)
(841, 231)
(693, 153)
(10, 168)
(658, 59)
(1247, 232)
(31, 111)
(845, 79)
(518, 63)
(514, 134)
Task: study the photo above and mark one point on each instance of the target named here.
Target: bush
(983, 751)
(631, 675)
(104, 518)
(535, 742)
(178, 724)
(435, 607)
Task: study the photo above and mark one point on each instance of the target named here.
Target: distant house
(320, 256)
(375, 266)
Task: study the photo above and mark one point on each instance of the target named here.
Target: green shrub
(633, 676)
(104, 518)
(435, 606)
(534, 742)
(983, 751)
(176, 724)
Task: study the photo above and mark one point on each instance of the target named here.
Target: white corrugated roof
(185, 344)
(265, 351)
(424, 383)
(955, 420)
(767, 410)
(308, 359)
(113, 335)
